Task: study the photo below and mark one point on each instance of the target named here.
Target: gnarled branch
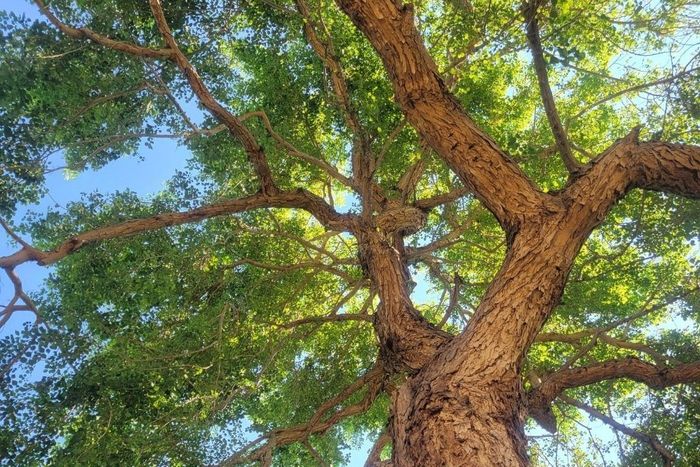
(435, 113)
(301, 199)
(627, 164)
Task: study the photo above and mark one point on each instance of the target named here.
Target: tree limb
(323, 419)
(627, 164)
(300, 198)
(374, 457)
(560, 136)
(437, 200)
(637, 87)
(666, 455)
(85, 33)
(239, 131)
(656, 377)
(438, 117)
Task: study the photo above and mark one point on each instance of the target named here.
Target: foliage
(171, 346)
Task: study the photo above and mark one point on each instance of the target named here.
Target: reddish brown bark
(465, 405)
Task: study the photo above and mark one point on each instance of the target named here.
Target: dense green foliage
(166, 347)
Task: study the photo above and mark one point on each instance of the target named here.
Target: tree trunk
(465, 406)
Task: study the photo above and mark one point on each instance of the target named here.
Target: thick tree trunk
(465, 406)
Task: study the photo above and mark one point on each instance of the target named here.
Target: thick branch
(407, 340)
(667, 167)
(423, 97)
(301, 199)
(540, 398)
(533, 38)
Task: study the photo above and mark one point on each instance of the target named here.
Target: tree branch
(560, 136)
(239, 131)
(363, 161)
(637, 87)
(666, 455)
(540, 398)
(291, 149)
(374, 457)
(627, 164)
(323, 419)
(85, 33)
(438, 117)
(434, 201)
(300, 198)
(327, 319)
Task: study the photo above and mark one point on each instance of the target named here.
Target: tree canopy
(235, 316)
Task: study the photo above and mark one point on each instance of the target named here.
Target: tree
(248, 294)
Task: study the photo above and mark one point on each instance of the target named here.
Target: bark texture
(465, 405)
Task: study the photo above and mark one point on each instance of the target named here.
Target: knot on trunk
(401, 219)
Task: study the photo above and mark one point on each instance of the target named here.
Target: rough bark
(406, 340)
(468, 399)
(438, 117)
(465, 405)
